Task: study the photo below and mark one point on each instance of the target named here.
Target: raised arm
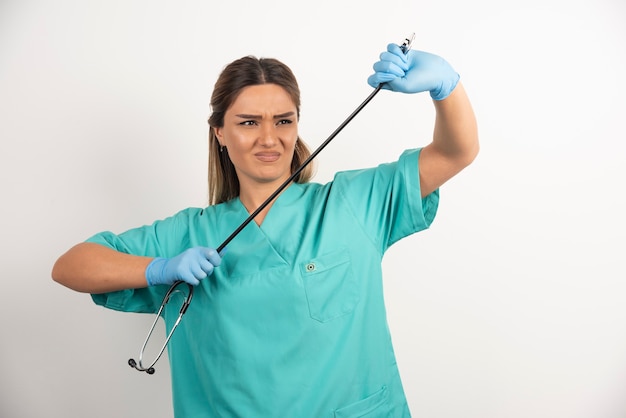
(455, 139)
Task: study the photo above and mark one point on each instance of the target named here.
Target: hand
(415, 72)
(190, 266)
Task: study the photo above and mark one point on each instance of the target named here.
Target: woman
(291, 320)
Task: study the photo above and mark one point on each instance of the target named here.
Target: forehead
(261, 99)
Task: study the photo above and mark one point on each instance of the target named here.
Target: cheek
(293, 138)
(236, 142)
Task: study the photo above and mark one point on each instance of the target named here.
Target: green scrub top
(293, 322)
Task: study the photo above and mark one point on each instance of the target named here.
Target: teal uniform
(293, 322)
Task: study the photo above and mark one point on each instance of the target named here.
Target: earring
(221, 148)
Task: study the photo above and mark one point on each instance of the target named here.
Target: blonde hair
(241, 73)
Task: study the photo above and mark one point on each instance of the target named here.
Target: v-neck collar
(272, 229)
(287, 197)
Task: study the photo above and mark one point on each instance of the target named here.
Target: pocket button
(310, 267)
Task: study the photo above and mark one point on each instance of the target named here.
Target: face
(260, 132)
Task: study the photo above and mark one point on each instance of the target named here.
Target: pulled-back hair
(239, 74)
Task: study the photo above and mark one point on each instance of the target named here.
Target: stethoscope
(138, 365)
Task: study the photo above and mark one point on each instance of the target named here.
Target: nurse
(290, 321)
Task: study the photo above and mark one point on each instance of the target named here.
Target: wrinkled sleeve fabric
(387, 200)
(163, 238)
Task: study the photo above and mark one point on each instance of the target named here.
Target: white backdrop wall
(511, 305)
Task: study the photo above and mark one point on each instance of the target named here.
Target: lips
(267, 157)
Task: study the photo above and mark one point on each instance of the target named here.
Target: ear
(219, 135)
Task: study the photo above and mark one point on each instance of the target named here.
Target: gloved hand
(190, 266)
(415, 72)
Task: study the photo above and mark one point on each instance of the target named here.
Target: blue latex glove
(190, 266)
(415, 72)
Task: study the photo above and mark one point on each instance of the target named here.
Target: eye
(248, 123)
(285, 122)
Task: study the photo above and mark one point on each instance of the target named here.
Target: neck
(253, 197)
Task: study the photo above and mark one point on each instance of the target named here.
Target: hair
(239, 74)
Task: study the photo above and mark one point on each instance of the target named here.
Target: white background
(513, 305)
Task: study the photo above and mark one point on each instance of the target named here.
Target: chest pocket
(330, 286)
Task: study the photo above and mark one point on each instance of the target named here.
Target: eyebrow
(280, 116)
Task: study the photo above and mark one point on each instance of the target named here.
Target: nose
(268, 137)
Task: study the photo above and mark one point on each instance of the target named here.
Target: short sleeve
(163, 238)
(387, 199)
